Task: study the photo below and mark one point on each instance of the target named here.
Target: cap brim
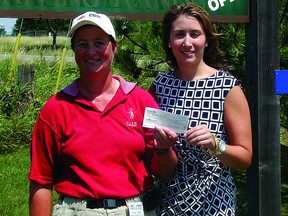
(80, 24)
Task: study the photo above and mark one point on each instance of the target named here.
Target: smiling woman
(74, 128)
(215, 140)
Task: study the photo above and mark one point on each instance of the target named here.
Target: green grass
(37, 46)
(14, 183)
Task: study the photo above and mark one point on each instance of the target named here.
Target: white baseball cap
(93, 18)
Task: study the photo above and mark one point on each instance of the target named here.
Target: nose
(91, 50)
(187, 40)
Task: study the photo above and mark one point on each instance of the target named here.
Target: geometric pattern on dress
(201, 184)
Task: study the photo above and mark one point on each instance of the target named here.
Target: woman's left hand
(164, 138)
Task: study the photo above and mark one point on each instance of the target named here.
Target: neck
(93, 89)
(194, 73)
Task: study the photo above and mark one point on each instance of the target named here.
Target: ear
(114, 47)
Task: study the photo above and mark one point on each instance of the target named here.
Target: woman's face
(93, 50)
(187, 41)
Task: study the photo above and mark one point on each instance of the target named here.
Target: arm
(238, 153)
(164, 164)
(237, 120)
(40, 200)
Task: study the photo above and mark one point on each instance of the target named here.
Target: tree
(47, 25)
(2, 30)
(137, 55)
(284, 59)
(57, 25)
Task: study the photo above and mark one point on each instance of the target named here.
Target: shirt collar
(73, 90)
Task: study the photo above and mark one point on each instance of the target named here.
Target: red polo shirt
(88, 153)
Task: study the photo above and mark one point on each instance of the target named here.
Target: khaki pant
(77, 207)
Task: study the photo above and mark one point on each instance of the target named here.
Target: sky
(9, 23)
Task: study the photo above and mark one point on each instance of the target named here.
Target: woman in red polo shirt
(88, 141)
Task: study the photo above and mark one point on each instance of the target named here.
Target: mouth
(92, 60)
(188, 52)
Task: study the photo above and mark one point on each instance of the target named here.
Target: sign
(220, 10)
(281, 81)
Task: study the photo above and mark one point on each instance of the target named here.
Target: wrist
(161, 151)
(220, 147)
(214, 145)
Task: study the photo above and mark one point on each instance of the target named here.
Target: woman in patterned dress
(218, 135)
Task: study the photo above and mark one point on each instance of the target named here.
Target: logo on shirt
(131, 114)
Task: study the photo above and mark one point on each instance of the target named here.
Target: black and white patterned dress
(201, 184)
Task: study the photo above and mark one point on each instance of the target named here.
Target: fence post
(25, 74)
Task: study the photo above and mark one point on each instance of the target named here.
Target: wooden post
(262, 53)
(25, 74)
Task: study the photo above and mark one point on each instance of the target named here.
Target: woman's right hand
(164, 138)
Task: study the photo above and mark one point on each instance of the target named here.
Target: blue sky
(9, 23)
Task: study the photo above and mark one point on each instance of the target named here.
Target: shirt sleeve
(44, 152)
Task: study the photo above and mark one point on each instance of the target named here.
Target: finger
(170, 133)
(165, 136)
(159, 136)
(199, 135)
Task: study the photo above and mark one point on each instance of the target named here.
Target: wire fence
(39, 33)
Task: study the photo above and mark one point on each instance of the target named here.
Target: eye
(99, 44)
(195, 34)
(179, 34)
(82, 44)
